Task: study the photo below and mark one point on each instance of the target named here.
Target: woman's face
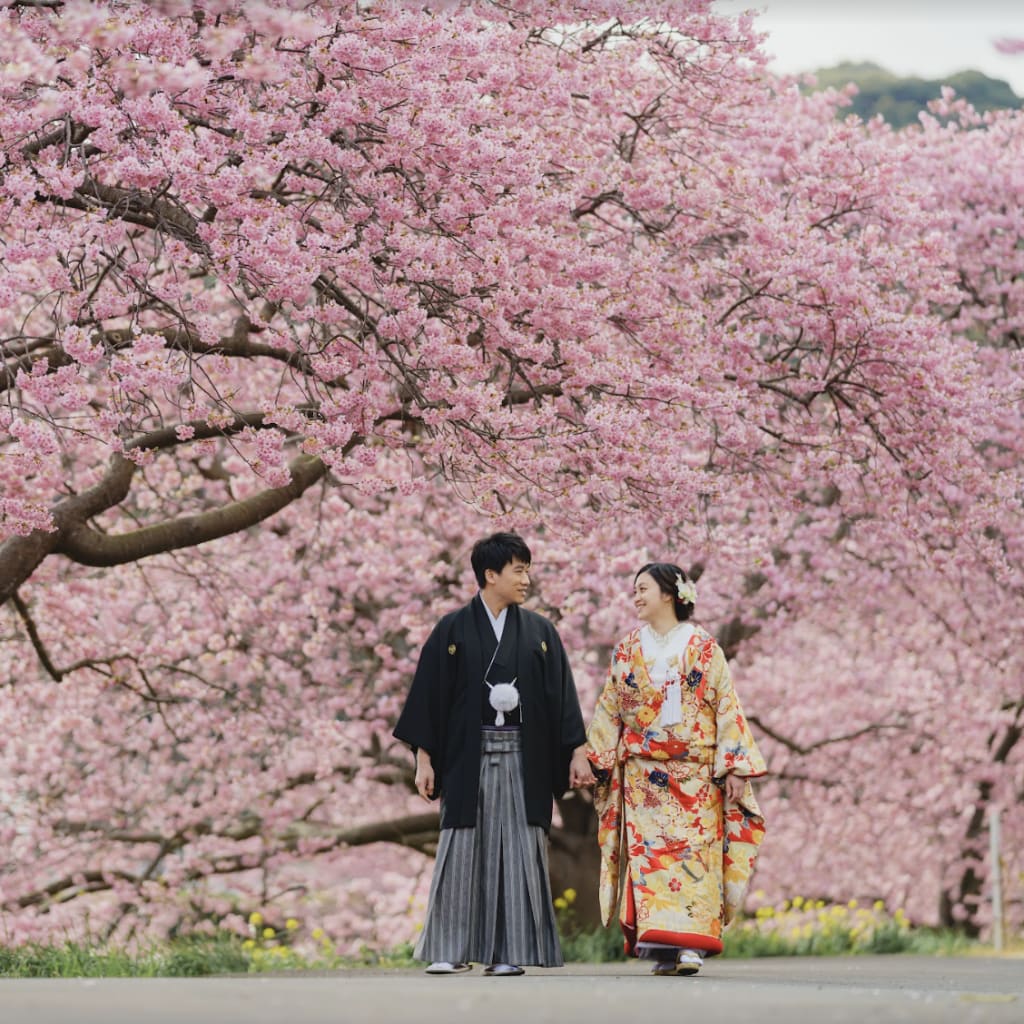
(649, 599)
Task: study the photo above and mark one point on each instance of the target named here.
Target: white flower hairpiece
(686, 590)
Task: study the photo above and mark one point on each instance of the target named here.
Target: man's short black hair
(497, 551)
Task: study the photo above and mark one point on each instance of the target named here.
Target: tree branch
(37, 643)
(82, 544)
(798, 748)
(417, 831)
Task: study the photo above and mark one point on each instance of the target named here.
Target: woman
(673, 755)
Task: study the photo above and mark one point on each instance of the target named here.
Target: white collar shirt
(497, 621)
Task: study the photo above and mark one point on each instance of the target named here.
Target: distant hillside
(900, 100)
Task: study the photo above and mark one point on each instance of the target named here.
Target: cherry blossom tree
(299, 299)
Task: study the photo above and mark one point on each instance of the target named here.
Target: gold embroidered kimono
(683, 869)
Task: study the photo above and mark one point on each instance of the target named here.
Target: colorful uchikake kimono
(683, 870)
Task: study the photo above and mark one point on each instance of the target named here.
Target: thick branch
(136, 207)
(21, 556)
(82, 544)
(417, 831)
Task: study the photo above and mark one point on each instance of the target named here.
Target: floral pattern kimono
(683, 865)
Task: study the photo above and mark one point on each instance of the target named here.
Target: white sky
(929, 38)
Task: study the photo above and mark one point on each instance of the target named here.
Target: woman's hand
(424, 774)
(734, 786)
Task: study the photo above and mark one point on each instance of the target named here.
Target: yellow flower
(256, 918)
(798, 902)
(560, 904)
(852, 904)
(268, 933)
(318, 933)
(569, 895)
(879, 906)
(248, 944)
(291, 924)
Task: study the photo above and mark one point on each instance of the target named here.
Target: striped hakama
(490, 897)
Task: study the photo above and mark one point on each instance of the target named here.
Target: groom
(494, 720)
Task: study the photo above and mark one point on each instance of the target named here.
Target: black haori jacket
(442, 712)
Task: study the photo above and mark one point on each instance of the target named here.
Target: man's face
(511, 585)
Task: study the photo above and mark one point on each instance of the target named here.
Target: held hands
(579, 769)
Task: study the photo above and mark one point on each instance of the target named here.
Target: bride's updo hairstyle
(668, 578)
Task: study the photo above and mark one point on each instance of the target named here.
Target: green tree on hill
(900, 100)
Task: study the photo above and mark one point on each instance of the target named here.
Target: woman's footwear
(689, 961)
(664, 969)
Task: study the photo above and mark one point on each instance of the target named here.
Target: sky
(928, 38)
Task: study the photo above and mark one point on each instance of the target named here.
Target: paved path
(815, 990)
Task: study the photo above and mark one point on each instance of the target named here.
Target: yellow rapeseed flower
(291, 924)
(852, 904)
(256, 918)
(248, 944)
(560, 904)
(878, 906)
(318, 933)
(268, 933)
(569, 895)
(798, 902)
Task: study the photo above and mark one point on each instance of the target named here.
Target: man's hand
(424, 774)
(734, 786)
(579, 769)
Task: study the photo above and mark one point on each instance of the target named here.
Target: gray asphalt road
(848, 989)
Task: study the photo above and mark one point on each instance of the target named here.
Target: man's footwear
(689, 961)
(503, 970)
(445, 967)
(664, 969)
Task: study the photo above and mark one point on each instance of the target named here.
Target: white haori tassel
(672, 705)
(503, 697)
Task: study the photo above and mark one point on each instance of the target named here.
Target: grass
(795, 928)
(814, 928)
(185, 958)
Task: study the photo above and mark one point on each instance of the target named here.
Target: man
(494, 720)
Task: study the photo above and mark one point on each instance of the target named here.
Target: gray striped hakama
(490, 897)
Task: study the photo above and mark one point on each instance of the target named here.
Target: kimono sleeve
(735, 750)
(571, 731)
(419, 722)
(606, 725)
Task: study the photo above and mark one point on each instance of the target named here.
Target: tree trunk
(574, 857)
